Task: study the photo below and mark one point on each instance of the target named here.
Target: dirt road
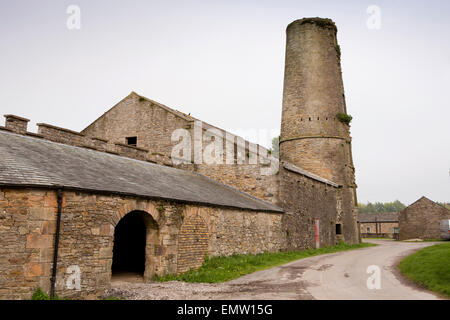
(341, 275)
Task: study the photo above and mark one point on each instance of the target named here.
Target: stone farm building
(421, 220)
(77, 208)
(379, 224)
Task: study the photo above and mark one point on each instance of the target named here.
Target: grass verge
(41, 295)
(429, 267)
(220, 269)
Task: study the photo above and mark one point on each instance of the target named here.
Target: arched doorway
(134, 237)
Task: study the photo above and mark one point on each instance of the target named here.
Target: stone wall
(244, 177)
(304, 200)
(174, 231)
(27, 225)
(147, 120)
(422, 220)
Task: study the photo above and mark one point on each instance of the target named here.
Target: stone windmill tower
(315, 131)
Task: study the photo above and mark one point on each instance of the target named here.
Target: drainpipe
(56, 243)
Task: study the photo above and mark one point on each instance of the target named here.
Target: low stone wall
(380, 228)
(377, 235)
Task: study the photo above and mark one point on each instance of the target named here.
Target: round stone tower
(314, 133)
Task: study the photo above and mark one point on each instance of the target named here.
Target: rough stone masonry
(91, 193)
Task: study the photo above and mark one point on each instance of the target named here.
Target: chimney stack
(16, 124)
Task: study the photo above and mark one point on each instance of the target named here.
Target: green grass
(220, 269)
(426, 240)
(41, 295)
(379, 238)
(429, 267)
(113, 298)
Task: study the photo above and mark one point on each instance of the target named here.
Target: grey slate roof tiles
(28, 161)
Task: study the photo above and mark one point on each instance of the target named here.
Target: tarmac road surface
(347, 274)
(337, 276)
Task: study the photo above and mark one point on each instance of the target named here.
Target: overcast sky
(223, 62)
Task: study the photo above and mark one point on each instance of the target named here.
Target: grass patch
(425, 240)
(113, 298)
(379, 238)
(41, 295)
(220, 269)
(429, 267)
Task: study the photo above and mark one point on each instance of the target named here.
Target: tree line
(376, 207)
(395, 206)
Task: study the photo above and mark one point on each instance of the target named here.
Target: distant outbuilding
(421, 220)
(378, 224)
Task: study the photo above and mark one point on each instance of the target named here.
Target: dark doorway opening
(129, 245)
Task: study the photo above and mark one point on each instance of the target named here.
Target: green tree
(395, 206)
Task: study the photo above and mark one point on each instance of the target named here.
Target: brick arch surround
(193, 240)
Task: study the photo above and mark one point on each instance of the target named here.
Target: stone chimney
(16, 124)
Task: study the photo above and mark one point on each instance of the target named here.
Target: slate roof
(379, 216)
(29, 161)
(293, 168)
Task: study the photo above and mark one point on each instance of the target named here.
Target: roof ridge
(292, 167)
(191, 118)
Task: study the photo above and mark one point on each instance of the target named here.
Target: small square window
(338, 228)
(132, 141)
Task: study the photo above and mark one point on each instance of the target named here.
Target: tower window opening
(132, 141)
(338, 228)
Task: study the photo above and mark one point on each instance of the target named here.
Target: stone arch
(135, 205)
(193, 240)
(150, 238)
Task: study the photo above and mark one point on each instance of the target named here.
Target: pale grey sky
(223, 62)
